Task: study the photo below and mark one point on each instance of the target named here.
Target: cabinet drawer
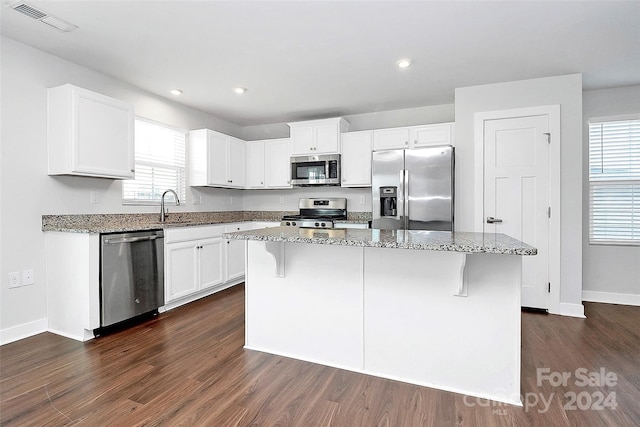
(181, 234)
(238, 226)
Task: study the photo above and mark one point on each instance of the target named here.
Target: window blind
(614, 182)
(160, 164)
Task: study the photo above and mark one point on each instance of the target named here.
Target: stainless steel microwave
(321, 169)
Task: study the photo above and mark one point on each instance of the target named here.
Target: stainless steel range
(317, 213)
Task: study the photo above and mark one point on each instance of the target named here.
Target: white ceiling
(313, 59)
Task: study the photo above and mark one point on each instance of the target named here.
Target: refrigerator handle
(406, 199)
(400, 196)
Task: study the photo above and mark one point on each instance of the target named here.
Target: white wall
(28, 192)
(269, 200)
(366, 121)
(567, 92)
(610, 273)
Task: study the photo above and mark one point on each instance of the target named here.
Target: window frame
(147, 202)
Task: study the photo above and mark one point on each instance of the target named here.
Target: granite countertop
(467, 242)
(116, 223)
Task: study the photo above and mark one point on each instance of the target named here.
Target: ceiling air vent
(39, 15)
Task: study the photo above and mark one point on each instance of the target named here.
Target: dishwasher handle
(128, 240)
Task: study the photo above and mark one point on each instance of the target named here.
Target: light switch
(93, 197)
(14, 279)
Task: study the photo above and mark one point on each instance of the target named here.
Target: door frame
(553, 112)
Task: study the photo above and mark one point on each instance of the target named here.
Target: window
(160, 164)
(614, 182)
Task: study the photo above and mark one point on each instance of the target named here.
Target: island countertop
(467, 242)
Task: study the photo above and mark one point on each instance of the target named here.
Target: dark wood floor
(187, 367)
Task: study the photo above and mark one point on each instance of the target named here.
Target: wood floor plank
(188, 367)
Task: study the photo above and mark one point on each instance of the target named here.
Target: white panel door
(277, 169)
(104, 136)
(356, 158)
(326, 139)
(211, 262)
(302, 140)
(180, 270)
(217, 162)
(390, 139)
(254, 155)
(516, 194)
(235, 165)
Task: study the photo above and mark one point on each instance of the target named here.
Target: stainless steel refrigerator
(413, 189)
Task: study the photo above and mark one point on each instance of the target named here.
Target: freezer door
(387, 168)
(429, 185)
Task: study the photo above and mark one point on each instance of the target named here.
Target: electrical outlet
(363, 200)
(27, 277)
(281, 200)
(14, 279)
(93, 197)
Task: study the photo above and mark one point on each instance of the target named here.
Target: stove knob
(293, 224)
(287, 223)
(317, 224)
(324, 224)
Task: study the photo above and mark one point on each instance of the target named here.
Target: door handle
(128, 240)
(492, 220)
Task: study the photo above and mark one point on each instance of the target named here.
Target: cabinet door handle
(492, 220)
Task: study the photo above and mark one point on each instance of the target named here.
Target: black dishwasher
(131, 275)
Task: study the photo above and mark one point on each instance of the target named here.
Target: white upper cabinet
(216, 159)
(413, 136)
(389, 139)
(89, 134)
(255, 164)
(236, 165)
(268, 163)
(356, 158)
(439, 134)
(277, 163)
(317, 136)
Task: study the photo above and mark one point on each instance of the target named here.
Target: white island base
(442, 319)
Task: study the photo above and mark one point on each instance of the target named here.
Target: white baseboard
(197, 296)
(25, 330)
(571, 310)
(611, 297)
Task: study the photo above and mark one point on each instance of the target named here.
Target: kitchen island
(432, 308)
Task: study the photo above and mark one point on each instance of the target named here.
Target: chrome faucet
(163, 214)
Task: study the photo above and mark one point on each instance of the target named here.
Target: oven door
(315, 170)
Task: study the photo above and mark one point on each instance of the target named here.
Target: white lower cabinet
(235, 251)
(194, 261)
(199, 262)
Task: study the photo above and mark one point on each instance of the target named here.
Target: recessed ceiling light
(239, 90)
(176, 92)
(404, 63)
